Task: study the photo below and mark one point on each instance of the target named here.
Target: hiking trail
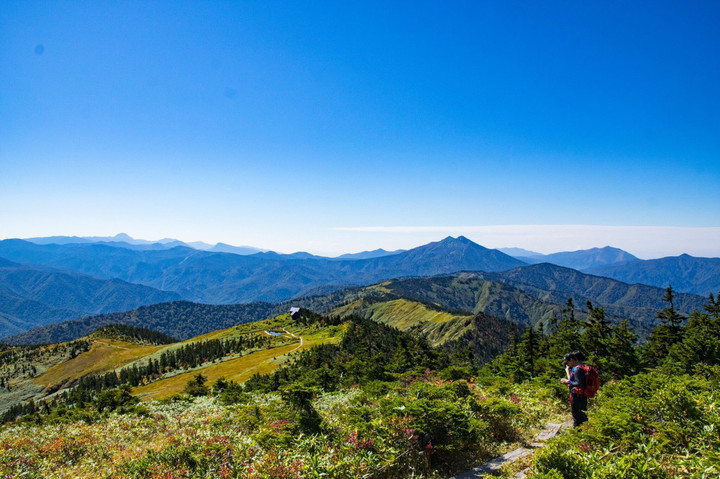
(493, 466)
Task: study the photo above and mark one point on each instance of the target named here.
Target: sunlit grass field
(242, 368)
(104, 355)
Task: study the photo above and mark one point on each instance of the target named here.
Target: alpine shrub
(558, 458)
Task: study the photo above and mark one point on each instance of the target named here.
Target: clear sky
(333, 126)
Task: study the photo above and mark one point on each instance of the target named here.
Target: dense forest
(179, 319)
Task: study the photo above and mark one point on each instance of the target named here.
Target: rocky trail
(493, 467)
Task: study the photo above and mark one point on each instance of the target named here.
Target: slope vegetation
(156, 370)
(103, 356)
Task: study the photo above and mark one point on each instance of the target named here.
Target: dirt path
(112, 345)
(299, 345)
(266, 360)
(491, 467)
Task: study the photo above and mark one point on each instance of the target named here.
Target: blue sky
(335, 127)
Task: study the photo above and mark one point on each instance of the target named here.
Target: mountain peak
(459, 240)
(459, 254)
(123, 237)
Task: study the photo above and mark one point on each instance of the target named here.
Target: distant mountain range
(36, 296)
(684, 273)
(82, 276)
(461, 307)
(222, 278)
(125, 241)
(377, 253)
(581, 260)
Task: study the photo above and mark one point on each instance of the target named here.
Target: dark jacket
(577, 378)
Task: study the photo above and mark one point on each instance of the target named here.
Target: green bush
(377, 388)
(551, 474)
(452, 426)
(500, 416)
(631, 466)
(561, 460)
(460, 389)
(455, 372)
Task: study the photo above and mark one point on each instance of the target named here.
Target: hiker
(577, 380)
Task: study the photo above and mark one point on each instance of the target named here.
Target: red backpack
(592, 381)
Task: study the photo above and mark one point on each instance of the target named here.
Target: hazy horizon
(575, 233)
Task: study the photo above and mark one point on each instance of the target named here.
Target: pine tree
(700, 341)
(565, 338)
(594, 337)
(623, 358)
(528, 354)
(668, 333)
(669, 315)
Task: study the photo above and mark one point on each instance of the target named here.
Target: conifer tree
(668, 333)
(594, 337)
(528, 354)
(564, 338)
(669, 314)
(623, 358)
(700, 341)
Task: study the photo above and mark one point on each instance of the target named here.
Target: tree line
(675, 346)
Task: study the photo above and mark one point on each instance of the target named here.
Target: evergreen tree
(527, 355)
(595, 335)
(668, 333)
(623, 359)
(669, 314)
(713, 307)
(564, 338)
(700, 341)
(196, 386)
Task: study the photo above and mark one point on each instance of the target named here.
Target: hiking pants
(578, 406)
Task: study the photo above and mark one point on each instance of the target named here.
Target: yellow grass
(404, 314)
(256, 327)
(239, 370)
(104, 355)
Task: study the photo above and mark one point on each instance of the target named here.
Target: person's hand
(564, 381)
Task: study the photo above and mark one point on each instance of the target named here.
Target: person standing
(576, 381)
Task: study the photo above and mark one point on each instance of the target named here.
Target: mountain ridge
(525, 295)
(684, 272)
(224, 278)
(35, 296)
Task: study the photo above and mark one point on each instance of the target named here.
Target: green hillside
(368, 400)
(127, 352)
(526, 296)
(485, 335)
(464, 294)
